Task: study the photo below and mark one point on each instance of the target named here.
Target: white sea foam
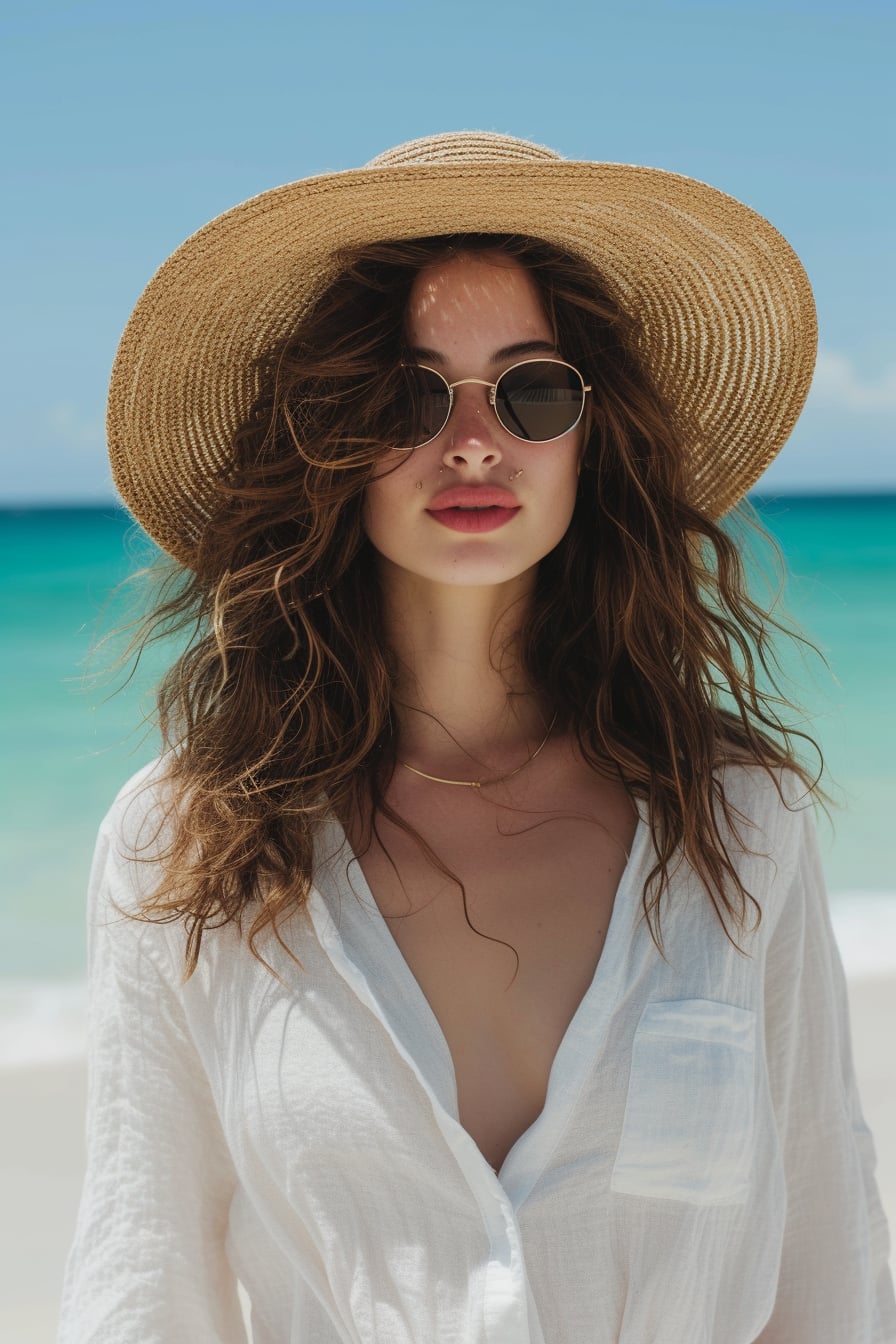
(42, 1021)
(865, 927)
(45, 1021)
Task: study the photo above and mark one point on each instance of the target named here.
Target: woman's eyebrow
(525, 348)
(506, 352)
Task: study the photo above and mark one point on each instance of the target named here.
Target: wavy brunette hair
(642, 634)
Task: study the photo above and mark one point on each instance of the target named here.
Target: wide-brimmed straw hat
(724, 305)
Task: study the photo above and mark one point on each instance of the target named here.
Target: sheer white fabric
(701, 1172)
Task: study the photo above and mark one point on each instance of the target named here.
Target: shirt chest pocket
(687, 1132)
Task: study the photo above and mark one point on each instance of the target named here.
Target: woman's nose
(471, 431)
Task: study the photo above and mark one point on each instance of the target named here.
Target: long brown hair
(642, 633)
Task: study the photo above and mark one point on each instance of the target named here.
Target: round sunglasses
(538, 400)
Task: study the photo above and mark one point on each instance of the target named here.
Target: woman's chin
(460, 571)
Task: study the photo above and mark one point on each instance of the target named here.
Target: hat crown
(466, 147)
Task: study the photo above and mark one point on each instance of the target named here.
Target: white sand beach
(42, 1160)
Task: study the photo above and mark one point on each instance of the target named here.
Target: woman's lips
(475, 519)
(473, 508)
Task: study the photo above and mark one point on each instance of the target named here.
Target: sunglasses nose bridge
(478, 382)
(491, 391)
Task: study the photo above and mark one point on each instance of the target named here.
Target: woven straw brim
(725, 307)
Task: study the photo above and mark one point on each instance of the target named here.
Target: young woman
(462, 970)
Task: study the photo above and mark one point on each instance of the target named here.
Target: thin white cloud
(61, 457)
(838, 383)
(74, 430)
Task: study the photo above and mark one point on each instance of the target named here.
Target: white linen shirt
(701, 1172)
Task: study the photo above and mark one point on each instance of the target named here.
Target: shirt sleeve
(148, 1262)
(835, 1285)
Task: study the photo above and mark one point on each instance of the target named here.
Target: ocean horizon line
(103, 505)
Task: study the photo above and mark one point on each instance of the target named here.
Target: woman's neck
(463, 704)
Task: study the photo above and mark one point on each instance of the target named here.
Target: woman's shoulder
(146, 796)
(766, 789)
(136, 831)
(768, 807)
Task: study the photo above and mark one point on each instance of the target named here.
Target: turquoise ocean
(69, 743)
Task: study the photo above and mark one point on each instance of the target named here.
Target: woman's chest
(319, 1075)
(505, 947)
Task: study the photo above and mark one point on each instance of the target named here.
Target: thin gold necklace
(478, 783)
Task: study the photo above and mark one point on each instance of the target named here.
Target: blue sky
(130, 126)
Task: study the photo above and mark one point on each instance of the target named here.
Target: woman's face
(472, 317)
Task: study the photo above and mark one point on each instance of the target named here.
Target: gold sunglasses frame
(493, 396)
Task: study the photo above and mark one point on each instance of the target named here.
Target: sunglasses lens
(429, 403)
(539, 400)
